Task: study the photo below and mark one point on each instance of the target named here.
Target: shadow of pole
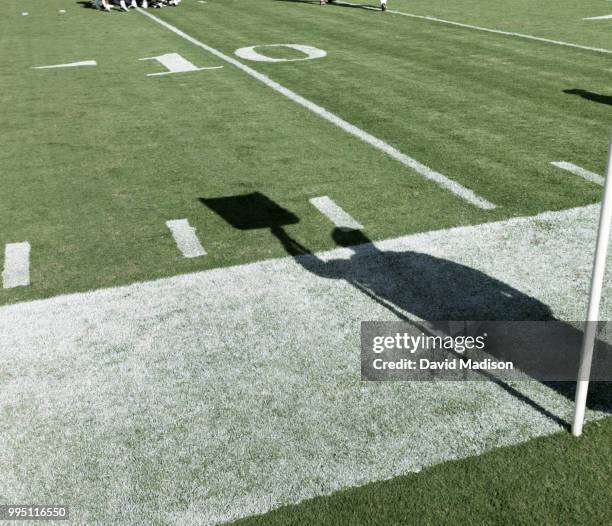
(313, 264)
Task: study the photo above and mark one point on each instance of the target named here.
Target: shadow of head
(349, 238)
(429, 287)
(405, 281)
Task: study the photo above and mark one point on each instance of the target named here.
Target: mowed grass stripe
(128, 152)
(443, 181)
(500, 32)
(551, 19)
(117, 166)
(438, 93)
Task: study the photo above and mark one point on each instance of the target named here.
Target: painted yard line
(70, 65)
(16, 265)
(240, 394)
(186, 239)
(506, 33)
(335, 214)
(604, 17)
(486, 29)
(441, 180)
(581, 172)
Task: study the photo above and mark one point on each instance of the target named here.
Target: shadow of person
(590, 95)
(427, 292)
(425, 286)
(413, 284)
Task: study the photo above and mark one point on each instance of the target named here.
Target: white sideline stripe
(486, 29)
(335, 214)
(16, 265)
(186, 239)
(443, 181)
(70, 65)
(579, 171)
(604, 17)
(218, 340)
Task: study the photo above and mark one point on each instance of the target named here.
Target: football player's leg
(383, 5)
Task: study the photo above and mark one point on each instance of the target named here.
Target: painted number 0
(250, 53)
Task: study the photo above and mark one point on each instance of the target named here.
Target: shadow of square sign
(250, 211)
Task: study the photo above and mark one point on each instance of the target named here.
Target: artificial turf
(551, 480)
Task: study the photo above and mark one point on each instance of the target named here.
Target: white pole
(599, 266)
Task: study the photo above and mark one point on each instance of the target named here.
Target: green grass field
(94, 160)
(495, 488)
